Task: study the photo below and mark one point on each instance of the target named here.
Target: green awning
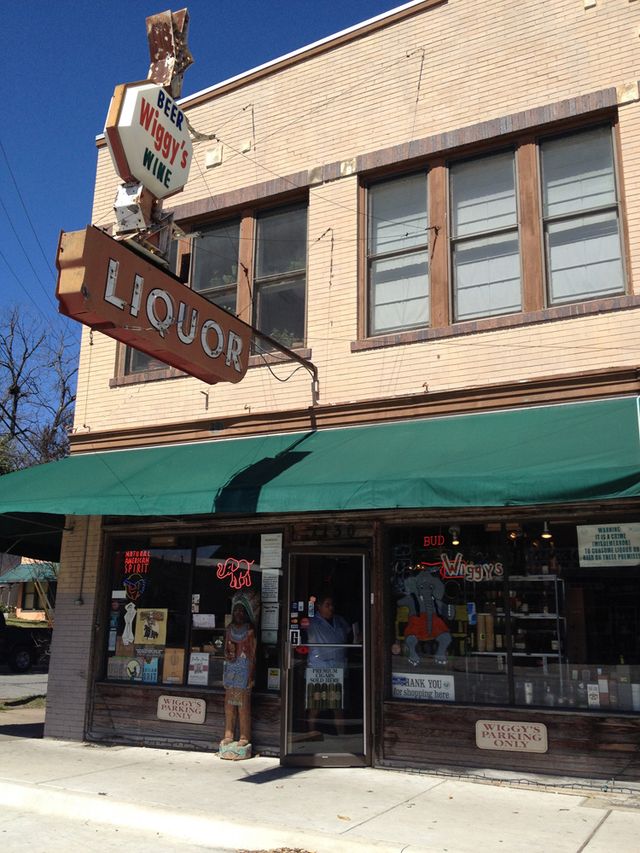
(26, 572)
(520, 457)
(548, 454)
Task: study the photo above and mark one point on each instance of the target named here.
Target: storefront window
(531, 614)
(169, 609)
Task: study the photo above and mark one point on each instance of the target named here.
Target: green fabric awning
(549, 454)
(26, 572)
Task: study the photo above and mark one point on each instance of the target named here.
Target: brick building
(441, 211)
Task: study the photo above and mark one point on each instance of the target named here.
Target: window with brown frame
(500, 214)
(254, 266)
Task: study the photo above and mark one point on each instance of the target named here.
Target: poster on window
(173, 666)
(271, 550)
(324, 688)
(198, 668)
(609, 544)
(413, 685)
(151, 626)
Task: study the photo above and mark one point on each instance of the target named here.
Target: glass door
(325, 721)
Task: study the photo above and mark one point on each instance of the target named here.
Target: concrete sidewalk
(198, 799)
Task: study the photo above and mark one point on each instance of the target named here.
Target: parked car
(21, 648)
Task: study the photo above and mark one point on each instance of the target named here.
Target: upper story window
(510, 231)
(484, 232)
(254, 266)
(398, 257)
(581, 217)
(214, 271)
(280, 275)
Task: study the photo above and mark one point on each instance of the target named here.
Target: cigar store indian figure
(238, 674)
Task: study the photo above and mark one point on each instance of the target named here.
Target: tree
(37, 370)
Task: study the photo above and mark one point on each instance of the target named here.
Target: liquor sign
(510, 736)
(148, 138)
(110, 287)
(609, 544)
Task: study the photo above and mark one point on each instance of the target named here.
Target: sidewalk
(258, 805)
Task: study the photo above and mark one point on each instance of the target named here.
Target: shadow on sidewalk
(31, 730)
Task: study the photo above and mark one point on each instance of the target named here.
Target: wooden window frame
(534, 286)
(247, 217)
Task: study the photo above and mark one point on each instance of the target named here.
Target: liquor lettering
(214, 341)
(167, 146)
(238, 571)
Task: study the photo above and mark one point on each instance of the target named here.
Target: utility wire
(26, 254)
(24, 207)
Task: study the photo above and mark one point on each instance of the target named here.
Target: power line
(24, 207)
(26, 254)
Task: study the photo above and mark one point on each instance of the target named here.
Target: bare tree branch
(37, 369)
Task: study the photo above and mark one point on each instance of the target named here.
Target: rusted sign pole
(170, 56)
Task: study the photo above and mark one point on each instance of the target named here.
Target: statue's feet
(243, 741)
(226, 741)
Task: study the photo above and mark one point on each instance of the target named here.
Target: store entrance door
(325, 722)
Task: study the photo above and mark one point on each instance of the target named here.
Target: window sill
(145, 376)
(491, 324)
(173, 373)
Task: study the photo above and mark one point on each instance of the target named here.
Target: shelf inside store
(532, 578)
(536, 616)
(521, 654)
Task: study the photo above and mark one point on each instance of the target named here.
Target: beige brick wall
(71, 650)
(505, 57)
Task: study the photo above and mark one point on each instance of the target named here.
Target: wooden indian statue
(239, 674)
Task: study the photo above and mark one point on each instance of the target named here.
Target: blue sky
(60, 62)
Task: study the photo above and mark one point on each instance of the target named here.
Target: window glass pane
(584, 257)
(562, 613)
(487, 276)
(399, 292)
(483, 195)
(282, 242)
(448, 618)
(148, 615)
(140, 362)
(224, 298)
(226, 566)
(398, 215)
(578, 172)
(215, 258)
(280, 311)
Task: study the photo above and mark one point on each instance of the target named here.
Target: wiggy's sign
(109, 287)
(148, 138)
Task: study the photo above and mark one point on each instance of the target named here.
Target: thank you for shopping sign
(413, 685)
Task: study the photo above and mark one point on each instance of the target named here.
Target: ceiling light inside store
(455, 535)
(546, 533)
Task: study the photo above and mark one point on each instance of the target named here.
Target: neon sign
(136, 561)
(433, 541)
(459, 568)
(238, 572)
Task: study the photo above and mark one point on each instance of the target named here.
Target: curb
(192, 827)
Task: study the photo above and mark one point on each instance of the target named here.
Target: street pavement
(102, 796)
(14, 685)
